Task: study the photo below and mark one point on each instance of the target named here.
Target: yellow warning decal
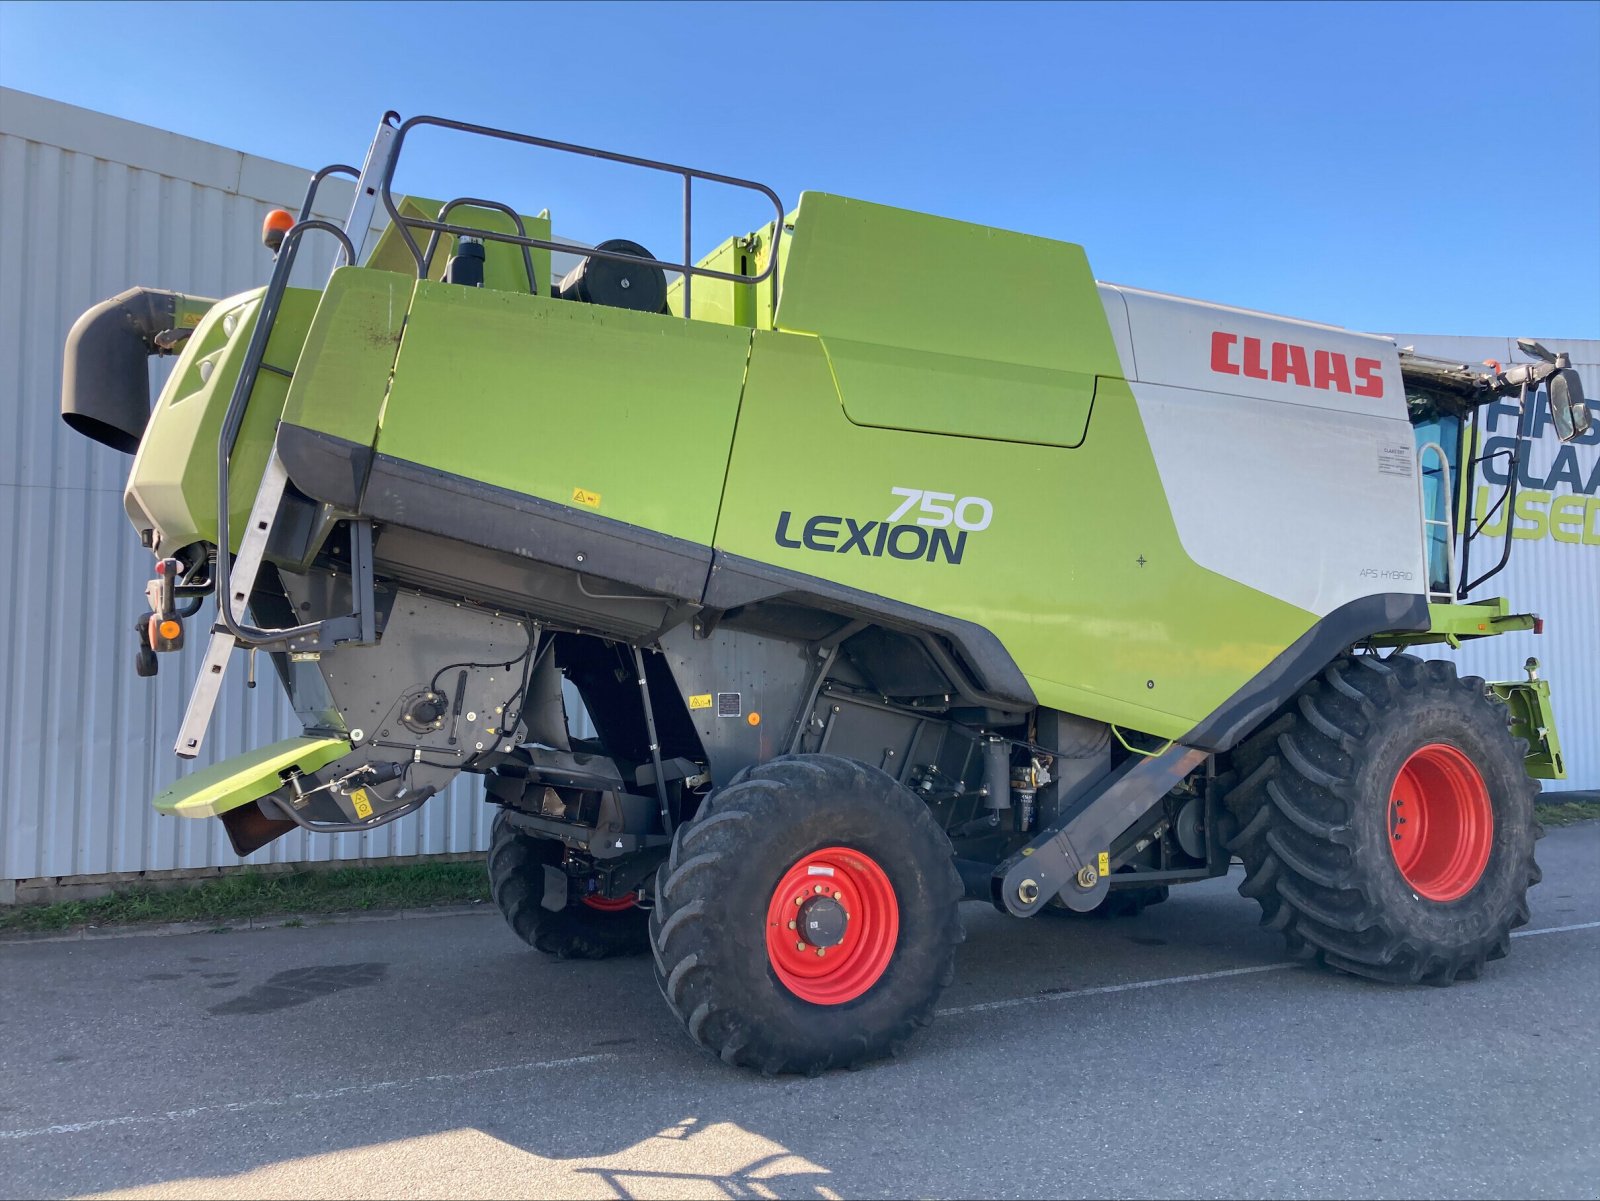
(188, 319)
(580, 497)
(362, 802)
(1105, 863)
(700, 701)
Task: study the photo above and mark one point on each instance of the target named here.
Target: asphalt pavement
(1171, 1054)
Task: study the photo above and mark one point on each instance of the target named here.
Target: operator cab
(1443, 399)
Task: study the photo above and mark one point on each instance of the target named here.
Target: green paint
(343, 373)
(173, 481)
(1056, 576)
(723, 302)
(1453, 624)
(546, 396)
(214, 790)
(504, 269)
(892, 277)
(1533, 719)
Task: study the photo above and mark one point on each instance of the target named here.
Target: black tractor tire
(714, 935)
(516, 865)
(1322, 837)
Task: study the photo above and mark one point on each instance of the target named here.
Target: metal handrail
(272, 298)
(426, 265)
(316, 182)
(688, 268)
(233, 419)
(1446, 500)
(1508, 498)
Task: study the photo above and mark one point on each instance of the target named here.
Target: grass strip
(1564, 813)
(253, 894)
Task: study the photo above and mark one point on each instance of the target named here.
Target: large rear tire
(807, 918)
(1386, 822)
(585, 929)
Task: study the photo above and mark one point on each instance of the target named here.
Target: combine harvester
(896, 561)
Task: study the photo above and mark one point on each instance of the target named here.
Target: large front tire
(807, 918)
(1387, 823)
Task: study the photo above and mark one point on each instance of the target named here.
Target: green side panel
(551, 398)
(911, 349)
(503, 267)
(910, 308)
(1533, 719)
(344, 368)
(173, 481)
(1079, 573)
(952, 394)
(724, 302)
(214, 790)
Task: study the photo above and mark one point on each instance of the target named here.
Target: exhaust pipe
(105, 381)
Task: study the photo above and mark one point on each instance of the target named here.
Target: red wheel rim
(1441, 825)
(827, 883)
(610, 904)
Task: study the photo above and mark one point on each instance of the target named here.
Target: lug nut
(838, 896)
(821, 951)
(799, 946)
(791, 925)
(818, 890)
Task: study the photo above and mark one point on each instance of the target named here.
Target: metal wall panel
(90, 205)
(1556, 577)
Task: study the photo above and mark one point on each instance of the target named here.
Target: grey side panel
(745, 673)
(325, 468)
(452, 506)
(1309, 654)
(737, 581)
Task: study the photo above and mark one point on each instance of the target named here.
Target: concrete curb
(276, 921)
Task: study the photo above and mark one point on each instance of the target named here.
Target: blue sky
(1433, 168)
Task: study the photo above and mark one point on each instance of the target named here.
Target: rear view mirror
(1567, 408)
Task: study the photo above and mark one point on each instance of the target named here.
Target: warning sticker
(580, 497)
(1105, 863)
(362, 802)
(730, 704)
(1394, 458)
(701, 700)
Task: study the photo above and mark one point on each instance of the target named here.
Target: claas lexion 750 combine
(880, 590)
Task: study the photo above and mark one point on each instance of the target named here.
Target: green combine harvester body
(908, 520)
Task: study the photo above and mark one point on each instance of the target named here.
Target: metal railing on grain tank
(687, 267)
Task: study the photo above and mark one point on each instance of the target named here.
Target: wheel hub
(823, 922)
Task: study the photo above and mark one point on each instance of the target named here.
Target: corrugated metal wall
(90, 205)
(1554, 572)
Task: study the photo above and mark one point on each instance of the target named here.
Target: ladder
(236, 581)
